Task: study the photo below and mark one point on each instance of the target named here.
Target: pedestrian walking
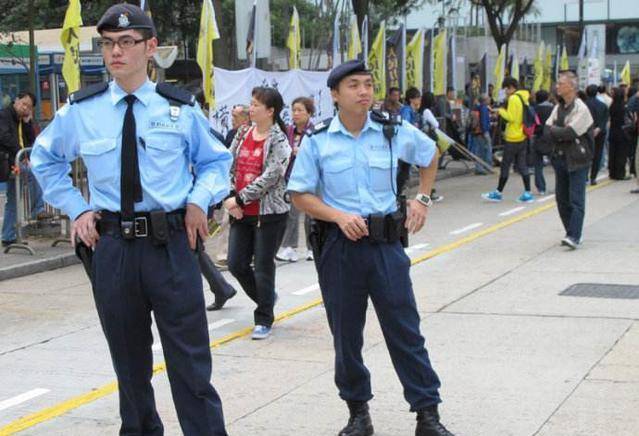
(153, 168)
(569, 128)
(515, 142)
(257, 204)
(343, 176)
(303, 109)
(599, 113)
(541, 148)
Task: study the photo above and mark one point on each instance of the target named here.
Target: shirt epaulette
(171, 92)
(319, 127)
(88, 92)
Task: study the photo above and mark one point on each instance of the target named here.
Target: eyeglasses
(124, 43)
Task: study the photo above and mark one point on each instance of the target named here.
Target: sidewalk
(19, 263)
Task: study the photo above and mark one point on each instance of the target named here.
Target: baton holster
(159, 227)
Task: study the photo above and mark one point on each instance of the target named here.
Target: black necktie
(130, 187)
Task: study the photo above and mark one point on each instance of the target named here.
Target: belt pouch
(159, 227)
(376, 227)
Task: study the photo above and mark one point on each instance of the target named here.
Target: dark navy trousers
(131, 279)
(352, 272)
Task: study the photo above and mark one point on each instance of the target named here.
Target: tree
(378, 10)
(504, 17)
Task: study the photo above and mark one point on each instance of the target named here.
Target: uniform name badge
(174, 113)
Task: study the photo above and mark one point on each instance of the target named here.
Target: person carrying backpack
(520, 121)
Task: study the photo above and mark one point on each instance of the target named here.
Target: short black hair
(449, 88)
(393, 89)
(29, 94)
(510, 82)
(412, 93)
(601, 89)
(591, 90)
(541, 96)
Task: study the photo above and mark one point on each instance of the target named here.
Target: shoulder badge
(319, 127)
(173, 93)
(88, 92)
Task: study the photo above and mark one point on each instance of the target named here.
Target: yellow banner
(294, 41)
(208, 33)
(71, 42)
(547, 83)
(514, 69)
(439, 63)
(376, 63)
(354, 41)
(499, 72)
(415, 61)
(563, 63)
(539, 67)
(625, 74)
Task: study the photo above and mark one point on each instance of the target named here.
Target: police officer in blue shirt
(344, 176)
(142, 144)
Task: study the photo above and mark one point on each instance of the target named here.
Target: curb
(38, 266)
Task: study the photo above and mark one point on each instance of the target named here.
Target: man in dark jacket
(239, 117)
(16, 132)
(599, 112)
(541, 147)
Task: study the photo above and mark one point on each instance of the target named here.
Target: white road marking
(541, 200)
(467, 228)
(307, 290)
(512, 211)
(214, 325)
(22, 398)
(416, 247)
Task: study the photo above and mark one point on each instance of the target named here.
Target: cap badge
(123, 21)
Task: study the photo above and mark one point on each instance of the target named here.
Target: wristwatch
(424, 199)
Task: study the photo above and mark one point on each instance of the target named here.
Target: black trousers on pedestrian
(596, 161)
(131, 278)
(218, 284)
(349, 274)
(514, 153)
(256, 241)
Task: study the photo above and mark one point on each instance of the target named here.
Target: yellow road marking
(80, 400)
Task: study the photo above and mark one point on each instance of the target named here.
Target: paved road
(515, 358)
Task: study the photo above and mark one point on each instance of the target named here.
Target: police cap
(124, 16)
(346, 69)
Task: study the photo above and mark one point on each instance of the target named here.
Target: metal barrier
(25, 203)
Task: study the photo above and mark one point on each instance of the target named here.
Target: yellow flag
(294, 41)
(415, 61)
(70, 40)
(377, 64)
(499, 72)
(439, 63)
(563, 62)
(354, 41)
(547, 83)
(625, 74)
(514, 69)
(539, 67)
(208, 32)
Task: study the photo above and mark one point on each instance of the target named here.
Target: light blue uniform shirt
(354, 174)
(170, 153)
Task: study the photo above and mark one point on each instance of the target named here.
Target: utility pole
(581, 20)
(32, 50)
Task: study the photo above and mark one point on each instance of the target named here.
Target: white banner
(234, 87)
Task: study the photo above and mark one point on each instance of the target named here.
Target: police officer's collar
(143, 93)
(337, 126)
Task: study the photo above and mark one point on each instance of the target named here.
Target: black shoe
(593, 182)
(428, 423)
(220, 302)
(634, 191)
(7, 243)
(359, 424)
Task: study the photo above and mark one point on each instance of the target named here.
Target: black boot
(428, 423)
(359, 424)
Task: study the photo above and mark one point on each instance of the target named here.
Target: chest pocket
(382, 173)
(102, 159)
(164, 154)
(338, 176)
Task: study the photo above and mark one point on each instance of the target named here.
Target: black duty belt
(145, 224)
(382, 228)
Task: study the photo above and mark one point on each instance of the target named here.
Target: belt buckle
(141, 227)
